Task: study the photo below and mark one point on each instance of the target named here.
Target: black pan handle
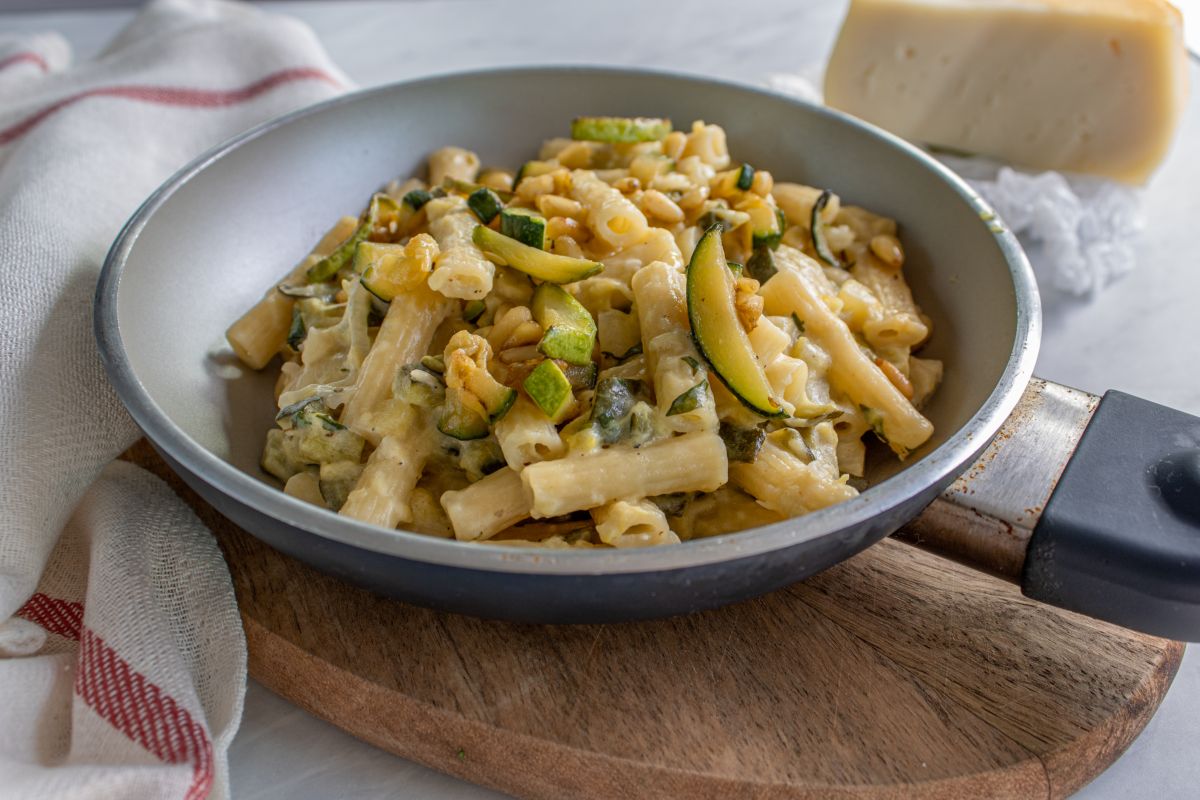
(1119, 538)
(1090, 504)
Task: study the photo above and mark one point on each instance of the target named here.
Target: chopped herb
(799, 322)
(329, 422)
(875, 420)
(808, 422)
(612, 405)
(295, 408)
(761, 265)
(636, 350)
(462, 754)
(641, 424)
(693, 363)
(298, 331)
(742, 444)
(690, 400)
(672, 504)
(580, 376)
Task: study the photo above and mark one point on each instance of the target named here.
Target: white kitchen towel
(122, 660)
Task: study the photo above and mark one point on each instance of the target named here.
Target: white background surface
(1141, 335)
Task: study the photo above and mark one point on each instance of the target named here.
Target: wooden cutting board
(895, 674)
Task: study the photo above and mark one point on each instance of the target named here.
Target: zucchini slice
(417, 198)
(718, 333)
(569, 330)
(550, 389)
(531, 169)
(745, 177)
(485, 203)
(385, 269)
(466, 188)
(768, 227)
(497, 398)
(620, 129)
(820, 243)
(383, 212)
(537, 263)
(459, 421)
(525, 225)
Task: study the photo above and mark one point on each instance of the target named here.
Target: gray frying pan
(1115, 535)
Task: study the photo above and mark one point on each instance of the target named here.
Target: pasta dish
(632, 340)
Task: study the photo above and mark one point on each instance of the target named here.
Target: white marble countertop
(1141, 335)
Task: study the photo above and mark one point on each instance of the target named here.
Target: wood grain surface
(895, 674)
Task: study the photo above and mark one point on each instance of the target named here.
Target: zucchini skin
(381, 212)
(771, 239)
(417, 198)
(531, 169)
(619, 129)
(550, 390)
(817, 227)
(745, 178)
(538, 263)
(718, 333)
(485, 203)
(570, 331)
(462, 424)
(524, 225)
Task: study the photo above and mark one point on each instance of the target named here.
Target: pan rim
(935, 468)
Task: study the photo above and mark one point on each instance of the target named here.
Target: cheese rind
(1093, 86)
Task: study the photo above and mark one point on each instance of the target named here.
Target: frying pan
(1090, 504)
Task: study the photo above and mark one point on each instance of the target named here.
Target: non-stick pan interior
(211, 249)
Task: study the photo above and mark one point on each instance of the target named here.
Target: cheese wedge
(1093, 86)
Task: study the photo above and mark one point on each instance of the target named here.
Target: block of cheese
(1095, 86)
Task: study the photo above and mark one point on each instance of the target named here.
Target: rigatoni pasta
(631, 340)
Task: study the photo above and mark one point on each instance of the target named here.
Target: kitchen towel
(122, 660)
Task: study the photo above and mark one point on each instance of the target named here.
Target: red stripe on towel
(57, 616)
(134, 705)
(172, 96)
(25, 57)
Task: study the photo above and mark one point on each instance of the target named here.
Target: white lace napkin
(122, 661)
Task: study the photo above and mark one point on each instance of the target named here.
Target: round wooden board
(895, 674)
